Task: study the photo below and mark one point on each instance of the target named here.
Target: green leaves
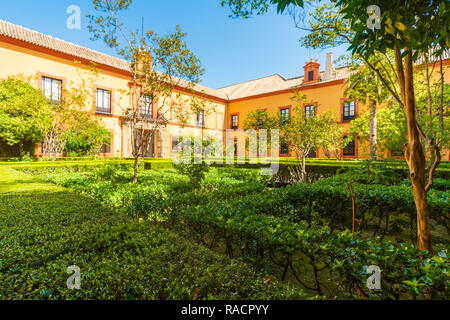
(25, 114)
(247, 8)
(417, 25)
(283, 4)
(235, 213)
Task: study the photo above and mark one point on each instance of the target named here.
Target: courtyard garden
(236, 234)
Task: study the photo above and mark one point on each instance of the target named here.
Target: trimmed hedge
(314, 251)
(286, 231)
(43, 233)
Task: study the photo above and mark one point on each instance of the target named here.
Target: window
(234, 122)
(52, 89)
(349, 111)
(310, 75)
(146, 106)
(103, 101)
(350, 149)
(200, 119)
(284, 148)
(106, 147)
(235, 148)
(284, 115)
(310, 111)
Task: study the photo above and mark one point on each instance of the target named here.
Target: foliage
(159, 65)
(302, 134)
(247, 8)
(429, 115)
(412, 30)
(298, 232)
(45, 229)
(86, 136)
(306, 134)
(191, 162)
(334, 140)
(24, 113)
(391, 128)
(261, 119)
(75, 129)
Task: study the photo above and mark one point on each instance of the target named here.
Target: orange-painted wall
(324, 96)
(19, 57)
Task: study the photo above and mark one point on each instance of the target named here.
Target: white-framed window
(310, 111)
(200, 121)
(146, 106)
(284, 115)
(349, 111)
(52, 89)
(234, 121)
(103, 101)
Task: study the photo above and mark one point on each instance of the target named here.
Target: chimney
(330, 71)
(311, 71)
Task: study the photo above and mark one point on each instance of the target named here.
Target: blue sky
(231, 50)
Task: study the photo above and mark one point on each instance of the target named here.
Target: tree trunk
(21, 150)
(373, 131)
(136, 165)
(303, 177)
(414, 154)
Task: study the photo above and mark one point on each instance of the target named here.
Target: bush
(120, 258)
(195, 172)
(312, 253)
(299, 231)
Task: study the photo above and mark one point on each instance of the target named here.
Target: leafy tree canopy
(247, 8)
(25, 114)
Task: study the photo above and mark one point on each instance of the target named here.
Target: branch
(394, 94)
(432, 169)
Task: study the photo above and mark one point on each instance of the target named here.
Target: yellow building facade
(55, 63)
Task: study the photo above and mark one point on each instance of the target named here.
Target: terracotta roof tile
(33, 37)
(272, 84)
(246, 89)
(23, 34)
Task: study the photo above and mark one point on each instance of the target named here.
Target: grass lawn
(44, 229)
(12, 181)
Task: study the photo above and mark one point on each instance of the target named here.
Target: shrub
(195, 172)
(298, 231)
(120, 258)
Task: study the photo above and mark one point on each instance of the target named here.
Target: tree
(334, 140)
(247, 8)
(191, 162)
(24, 113)
(158, 65)
(75, 128)
(260, 120)
(303, 133)
(391, 128)
(363, 85)
(411, 29)
(86, 137)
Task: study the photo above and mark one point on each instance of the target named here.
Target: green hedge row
(46, 167)
(286, 231)
(312, 253)
(42, 234)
